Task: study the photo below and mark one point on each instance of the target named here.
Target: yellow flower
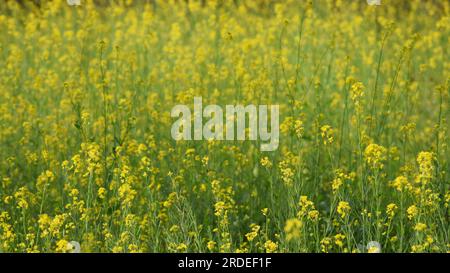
(325, 244)
(252, 235)
(391, 209)
(211, 245)
(343, 209)
(313, 215)
(400, 183)
(44, 222)
(270, 246)
(126, 193)
(293, 228)
(327, 134)
(63, 246)
(426, 168)
(182, 247)
(336, 184)
(420, 227)
(265, 162)
(375, 155)
(101, 193)
(287, 174)
(339, 239)
(220, 208)
(56, 224)
(357, 92)
(44, 179)
(447, 199)
(132, 248)
(117, 249)
(286, 125)
(412, 212)
(299, 128)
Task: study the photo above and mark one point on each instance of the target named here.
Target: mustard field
(88, 162)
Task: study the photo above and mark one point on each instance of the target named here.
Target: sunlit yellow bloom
(293, 229)
(270, 246)
(375, 156)
(343, 209)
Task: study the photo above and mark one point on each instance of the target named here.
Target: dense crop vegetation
(86, 153)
